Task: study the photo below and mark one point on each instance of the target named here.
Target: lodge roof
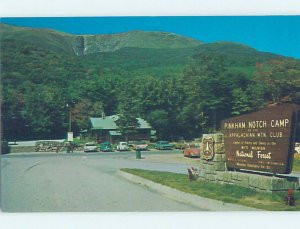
(109, 123)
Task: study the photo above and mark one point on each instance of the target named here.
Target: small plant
(290, 198)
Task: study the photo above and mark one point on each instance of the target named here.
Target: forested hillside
(182, 86)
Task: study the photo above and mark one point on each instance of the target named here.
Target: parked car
(297, 147)
(106, 147)
(163, 145)
(142, 145)
(122, 146)
(191, 150)
(90, 147)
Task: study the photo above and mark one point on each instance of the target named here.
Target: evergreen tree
(127, 122)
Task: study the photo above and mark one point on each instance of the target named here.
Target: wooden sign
(263, 140)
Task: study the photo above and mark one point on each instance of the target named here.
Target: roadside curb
(197, 201)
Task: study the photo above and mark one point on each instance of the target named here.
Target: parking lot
(46, 181)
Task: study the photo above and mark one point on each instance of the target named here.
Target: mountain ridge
(87, 44)
(129, 53)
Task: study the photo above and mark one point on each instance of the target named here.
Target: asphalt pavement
(82, 182)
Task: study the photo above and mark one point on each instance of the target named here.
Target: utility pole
(70, 118)
(70, 133)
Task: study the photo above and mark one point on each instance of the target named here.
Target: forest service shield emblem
(208, 148)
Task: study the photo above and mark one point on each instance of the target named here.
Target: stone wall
(215, 170)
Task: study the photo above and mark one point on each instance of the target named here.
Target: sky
(276, 34)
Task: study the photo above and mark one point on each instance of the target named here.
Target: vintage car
(141, 145)
(191, 150)
(161, 145)
(122, 146)
(90, 147)
(106, 147)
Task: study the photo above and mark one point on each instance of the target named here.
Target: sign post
(70, 136)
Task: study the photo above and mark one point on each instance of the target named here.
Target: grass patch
(223, 192)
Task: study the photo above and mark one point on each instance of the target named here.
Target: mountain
(134, 39)
(134, 53)
(88, 44)
(42, 38)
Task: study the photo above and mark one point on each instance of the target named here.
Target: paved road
(80, 182)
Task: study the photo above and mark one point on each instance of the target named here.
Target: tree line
(36, 92)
